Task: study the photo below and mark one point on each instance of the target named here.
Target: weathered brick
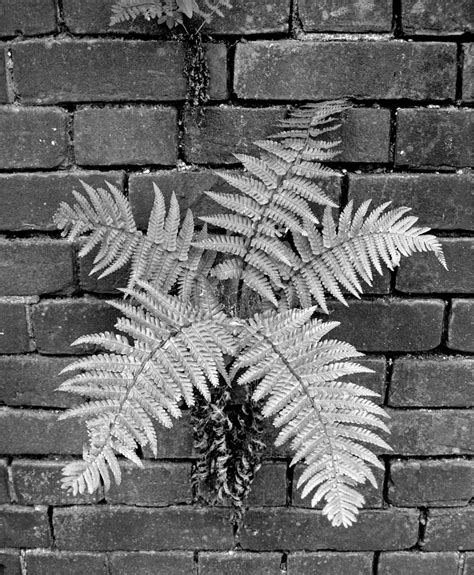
(127, 528)
(32, 137)
(271, 70)
(39, 266)
(269, 486)
(365, 136)
(175, 442)
(461, 325)
(403, 563)
(390, 325)
(4, 494)
(432, 382)
(27, 17)
(35, 432)
(29, 201)
(43, 561)
(441, 201)
(236, 563)
(145, 563)
(468, 564)
(108, 284)
(440, 483)
(3, 78)
(24, 526)
(468, 73)
(252, 17)
(450, 529)
(57, 323)
(425, 432)
(13, 327)
(434, 137)
(39, 482)
(266, 529)
(10, 562)
(114, 136)
(343, 16)
(437, 17)
(331, 563)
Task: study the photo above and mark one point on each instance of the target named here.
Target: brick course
(27, 17)
(343, 16)
(437, 16)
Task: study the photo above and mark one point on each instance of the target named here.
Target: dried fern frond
(176, 349)
(328, 421)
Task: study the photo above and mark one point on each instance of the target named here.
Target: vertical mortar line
(51, 528)
(445, 325)
(181, 128)
(71, 157)
(375, 563)
(231, 51)
(386, 482)
(459, 73)
(108, 564)
(23, 564)
(29, 323)
(344, 192)
(126, 184)
(284, 563)
(12, 91)
(11, 484)
(392, 136)
(397, 19)
(289, 483)
(461, 565)
(423, 521)
(60, 16)
(389, 363)
(295, 26)
(196, 562)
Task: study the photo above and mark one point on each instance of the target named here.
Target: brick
(4, 494)
(57, 323)
(32, 137)
(331, 563)
(468, 564)
(40, 266)
(434, 137)
(376, 380)
(145, 563)
(269, 486)
(468, 73)
(343, 16)
(3, 79)
(390, 325)
(176, 442)
(363, 69)
(106, 528)
(236, 563)
(440, 483)
(461, 325)
(39, 432)
(39, 482)
(24, 526)
(109, 284)
(74, 71)
(13, 327)
(437, 17)
(432, 382)
(29, 201)
(115, 136)
(403, 563)
(10, 562)
(43, 561)
(441, 201)
(425, 432)
(156, 485)
(27, 17)
(450, 529)
(266, 529)
(365, 136)
(252, 17)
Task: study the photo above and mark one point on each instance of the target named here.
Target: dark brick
(468, 73)
(390, 325)
(468, 564)
(175, 442)
(425, 432)
(92, 283)
(156, 485)
(236, 563)
(74, 71)
(450, 529)
(29, 201)
(146, 563)
(343, 16)
(10, 562)
(24, 526)
(27, 17)
(252, 17)
(310, 530)
(4, 494)
(461, 325)
(432, 382)
(437, 17)
(433, 137)
(113, 136)
(13, 327)
(32, 137)
(440, 483)
(57, 323)
(441, 201)
(39, 482)
(43, 561)
(269, 486)
(365, 136)
(40, 266)
(111, 528)
(271, 70)
(39, 432)
(3, 78)
(332, 563)
(403, 563)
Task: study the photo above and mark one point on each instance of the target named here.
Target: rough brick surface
(109, 284)
(174, 563)
(74, 71)
(27, 17)
(269, 486)
(279, 70)
(13, 327)
(139, 135)
(235, 563)
(450, 529)
(439, 483)
(32, 137)
(24, 526)
(10, 562)
(42, 561)
(4, 494)
(468, 73)
(430, 137)
(461, 325)
(329, 563)
(432, 382)
(3, 79)
(437, 16)
(343, 16)
(403, 563)
(252, 17)
(175, 442)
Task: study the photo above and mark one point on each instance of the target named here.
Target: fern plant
(176, 338)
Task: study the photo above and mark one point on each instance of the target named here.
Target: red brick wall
(79, 100)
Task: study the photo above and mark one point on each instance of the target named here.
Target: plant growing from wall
(176, 341)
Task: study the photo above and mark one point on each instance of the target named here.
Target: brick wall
(79, 100)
